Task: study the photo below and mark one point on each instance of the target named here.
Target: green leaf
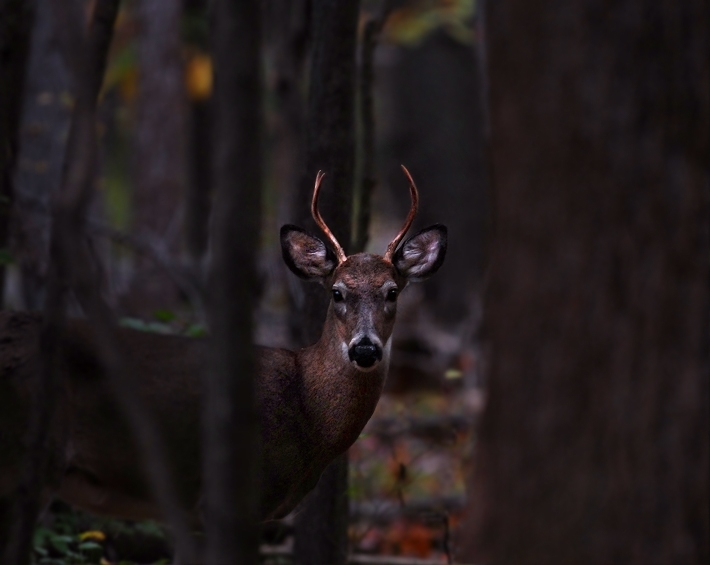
(164, 315)
(196, 330)
(61, 544)
(90, 546)
(40, 536)
(142, 325)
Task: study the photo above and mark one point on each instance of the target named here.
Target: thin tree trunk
(197, 198)
(368, 169)
(159, 151)
(593, 447)
(16, 18)
(436, 110)
(198, 191)
(231, 434)
(288, 22)
(321, 528)
(43, 130)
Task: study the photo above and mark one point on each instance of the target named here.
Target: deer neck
(339, 398)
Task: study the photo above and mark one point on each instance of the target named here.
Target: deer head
(363, 287)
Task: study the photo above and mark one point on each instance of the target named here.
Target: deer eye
(337, 295)
(392, 294)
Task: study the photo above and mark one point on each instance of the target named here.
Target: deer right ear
(422, 254)
(306, 255)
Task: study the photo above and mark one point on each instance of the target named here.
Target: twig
(190, 286)
(384, 510)
(356, 559)
(447, 537)
(438, 429)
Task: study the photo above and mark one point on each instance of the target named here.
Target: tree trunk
(321, 528)
(435, 128)
(287, 33)
(197, 198)
(159, 151)
(593, 447)
(231, 436)
(16, 19)
(43, 129)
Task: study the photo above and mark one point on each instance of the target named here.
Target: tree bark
(44, 124)
(231, 436)
(366, 103)
(197, 198)
(593, 447)
(198, 192)
(321, 528)
(437, 132)
(287, 32)
(16, 18)
(159, 150)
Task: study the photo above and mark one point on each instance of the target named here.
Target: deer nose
(365, 353)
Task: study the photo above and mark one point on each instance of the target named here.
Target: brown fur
(313, 408)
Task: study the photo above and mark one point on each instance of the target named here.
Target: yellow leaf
(93, 535)
(198, 76)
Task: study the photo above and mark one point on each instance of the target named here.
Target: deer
(313, 403)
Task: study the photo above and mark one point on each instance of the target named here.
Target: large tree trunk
(593, 447)
(231, 457)
(321, 528)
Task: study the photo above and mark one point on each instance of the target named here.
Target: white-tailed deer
(313, 402)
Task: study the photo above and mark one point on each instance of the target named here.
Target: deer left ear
(306, 255)
(422, 254)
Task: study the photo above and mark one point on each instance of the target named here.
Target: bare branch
(189, 283)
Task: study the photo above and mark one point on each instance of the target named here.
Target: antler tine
(392, 247)
(319, 220)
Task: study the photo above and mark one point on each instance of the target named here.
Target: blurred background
(548, 393)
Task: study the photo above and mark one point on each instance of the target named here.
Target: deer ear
(422, 254)
(306, 255)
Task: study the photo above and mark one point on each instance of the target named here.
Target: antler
(392, 247)
(319, 220)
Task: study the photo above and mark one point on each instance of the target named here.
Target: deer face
(364, 287)
(364, 292)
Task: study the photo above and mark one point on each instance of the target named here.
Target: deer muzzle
(365, 353)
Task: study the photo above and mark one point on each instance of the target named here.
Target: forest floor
(407, 491)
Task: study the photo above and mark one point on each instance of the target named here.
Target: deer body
(313, 402)
(99, 460)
